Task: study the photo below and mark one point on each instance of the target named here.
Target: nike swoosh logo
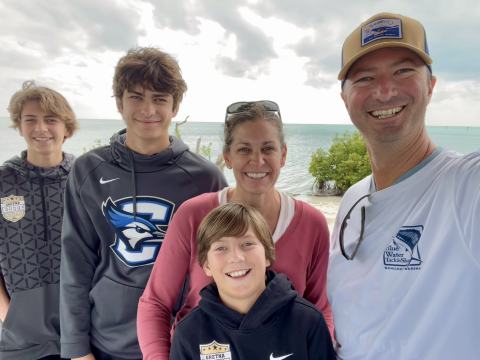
(279, 358)
(106, 181)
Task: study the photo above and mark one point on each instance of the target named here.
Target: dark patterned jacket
(30, 248)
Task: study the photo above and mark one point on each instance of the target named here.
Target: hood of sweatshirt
(49, 175)
(127, 159)
(278, 293)
(138, 163)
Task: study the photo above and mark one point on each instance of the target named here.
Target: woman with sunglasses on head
(256, 151)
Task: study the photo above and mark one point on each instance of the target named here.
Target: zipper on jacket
(44, 207)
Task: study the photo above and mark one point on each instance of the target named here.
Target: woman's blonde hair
(233, 220)
(52, 102)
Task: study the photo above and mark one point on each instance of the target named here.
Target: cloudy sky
(282, 50)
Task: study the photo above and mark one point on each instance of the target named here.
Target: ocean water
(302, 140)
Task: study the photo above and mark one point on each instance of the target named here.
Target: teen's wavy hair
(232, 220)
(52, 102)
(152, 69)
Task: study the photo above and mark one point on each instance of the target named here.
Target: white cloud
(285, 51)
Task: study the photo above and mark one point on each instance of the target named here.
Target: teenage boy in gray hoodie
(119, 201)
(31, 194)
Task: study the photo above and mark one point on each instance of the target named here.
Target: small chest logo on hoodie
(139, 236)
(13, 208)
(215, 350)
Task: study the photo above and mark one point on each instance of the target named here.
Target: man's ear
(344, 98)
(119, 105)
(207, 270)
(268, 263)
(431, 87)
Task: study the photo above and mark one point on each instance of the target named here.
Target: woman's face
(256, 156)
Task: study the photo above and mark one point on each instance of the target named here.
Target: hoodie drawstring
(134, 187)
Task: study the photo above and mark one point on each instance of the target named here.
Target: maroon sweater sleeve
(177, 258)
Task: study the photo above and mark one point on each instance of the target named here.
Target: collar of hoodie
(34, 173)
(138, 163)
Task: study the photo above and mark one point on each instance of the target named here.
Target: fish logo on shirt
(403, 251)
(138, 238)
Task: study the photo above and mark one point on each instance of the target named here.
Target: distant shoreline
(328, 206)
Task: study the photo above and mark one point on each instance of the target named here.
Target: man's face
(147, 114)
(386, 94)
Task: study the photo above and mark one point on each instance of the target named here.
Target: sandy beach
(328, 205)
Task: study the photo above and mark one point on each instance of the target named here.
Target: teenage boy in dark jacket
(31, 195)
(248, 312)
(118, 203)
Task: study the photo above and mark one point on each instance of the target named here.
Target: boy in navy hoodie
(248, 312)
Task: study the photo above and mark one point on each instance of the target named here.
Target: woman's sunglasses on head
(241, 106)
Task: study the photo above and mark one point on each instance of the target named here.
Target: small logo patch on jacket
(403, 252)
(215, 350)
(13, 208)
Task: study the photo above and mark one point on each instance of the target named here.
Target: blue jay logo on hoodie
(138, 238)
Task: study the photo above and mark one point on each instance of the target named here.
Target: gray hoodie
(31, 222)
(118, 205)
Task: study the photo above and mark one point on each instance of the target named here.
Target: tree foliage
(206, 151)
(345, 164)
(97, 143)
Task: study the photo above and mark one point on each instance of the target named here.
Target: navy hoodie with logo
(30, 229)
(279, 325)
(118, 205)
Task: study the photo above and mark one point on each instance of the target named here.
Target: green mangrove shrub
(344, 164)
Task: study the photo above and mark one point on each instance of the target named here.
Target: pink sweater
(301, 253)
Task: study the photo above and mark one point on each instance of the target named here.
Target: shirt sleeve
(156, 304)
(80, 244)
(316, 284)
(467, 203)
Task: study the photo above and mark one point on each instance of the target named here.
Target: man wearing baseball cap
(404, 270)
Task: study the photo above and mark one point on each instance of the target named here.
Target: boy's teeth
(237, 273)
(382, 114)
(256, 175)
(42, 139)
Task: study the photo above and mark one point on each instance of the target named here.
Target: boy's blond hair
(233, 220)
(52, 102)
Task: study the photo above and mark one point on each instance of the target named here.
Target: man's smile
(383, 114)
